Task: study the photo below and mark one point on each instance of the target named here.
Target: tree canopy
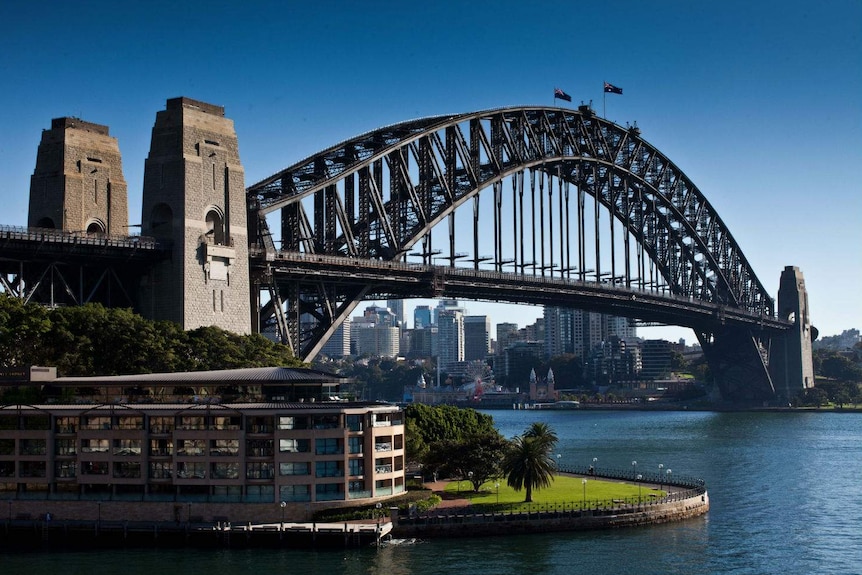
(93, 340)
(528, 463)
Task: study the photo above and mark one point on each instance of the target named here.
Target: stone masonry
(194, 196)
(78, 183)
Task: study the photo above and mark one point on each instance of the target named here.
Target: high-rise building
(375, 333)
(421, 317)
(396, 306)
(339, 344)
(477, 337)
(450, 333)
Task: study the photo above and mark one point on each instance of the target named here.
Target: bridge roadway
(403, 279)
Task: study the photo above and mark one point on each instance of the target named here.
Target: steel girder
(435, 165)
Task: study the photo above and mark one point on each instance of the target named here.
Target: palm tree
(528, 463)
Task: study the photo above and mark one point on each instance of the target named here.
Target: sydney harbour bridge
(534, 205)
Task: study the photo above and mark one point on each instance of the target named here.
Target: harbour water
(785, 492)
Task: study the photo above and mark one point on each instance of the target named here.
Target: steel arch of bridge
(336, 202)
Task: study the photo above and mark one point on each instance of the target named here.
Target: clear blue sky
(760, 103)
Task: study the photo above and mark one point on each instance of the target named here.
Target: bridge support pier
(791, 363)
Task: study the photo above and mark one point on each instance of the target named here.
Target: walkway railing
(690, 487)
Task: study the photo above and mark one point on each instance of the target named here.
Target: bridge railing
(81, 238)
(347, 263)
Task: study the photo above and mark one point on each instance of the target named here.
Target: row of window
(167, 424)
(193, 470)
(194, 447)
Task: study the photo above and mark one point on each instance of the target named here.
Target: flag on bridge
(561, 95)
(611, 89)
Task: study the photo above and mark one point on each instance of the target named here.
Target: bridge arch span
(385, 193)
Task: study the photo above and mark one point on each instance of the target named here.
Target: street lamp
(660, 467)
(497, 487)
(668, 478)
(470, 479)
(584, 503)
(377, 506)
(638, 477)
(559, 456)
(282, 505)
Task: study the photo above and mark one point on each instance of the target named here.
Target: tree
(528, 463)
(428, 425)
(475, 458)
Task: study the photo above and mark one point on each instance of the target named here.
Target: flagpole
(604, 101)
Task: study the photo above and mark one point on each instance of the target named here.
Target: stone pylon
(791, 364)
(78, 183)
(194, 197)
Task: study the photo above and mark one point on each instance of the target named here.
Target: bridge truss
(545, 192)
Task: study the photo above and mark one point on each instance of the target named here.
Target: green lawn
(566, 491)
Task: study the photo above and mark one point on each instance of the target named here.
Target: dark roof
(271, 375)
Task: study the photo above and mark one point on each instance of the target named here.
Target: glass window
(224, 447)
(161, 447)
(293, 422)
(65, 469)
(258, 470)
(328, 469)
(298, 468)
(127, 447)
(357, 466)
(161, 424)
(325, 421)
(66, 424)
(328, 446)
(94, 445)
(127, 469)
(259, 448)
(295, 493)
(294, 445)
(191, 446)
(354, 422)
(355, 444)
(225, 470)
(187, 470)
(94, 468)
(161, 470)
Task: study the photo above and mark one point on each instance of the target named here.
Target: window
(127, 469)
(357, 466)
(191, 446)
(295, 493)
(293, 422)
(301, 468)
(94, 468)
(259, 447)
(354, 422)
(33, 446)
(328, 446)
(258, 471)
(355, 444)
(328, 491)
(7, 446)
(160, 425)
(127, 447)
(328, 469)
(66, 424)
(161, 470)
(224, 447)
(192, 423)
(65, 447)
(161, 447)
(94, 446)
(65, 469)
(32, 469)
(325, 421)
(225, 470)
(133, 422)
(186, 470)
(293, 445)
(383, 465)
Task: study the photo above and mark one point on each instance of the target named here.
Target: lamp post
(638, 477)
(584, 503)
(377, 507)
(497, 487)
(470, 479)
(668, 478)
(660, 467)
(282, 505)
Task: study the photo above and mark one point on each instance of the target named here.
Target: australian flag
(561, 95)
(611, 89)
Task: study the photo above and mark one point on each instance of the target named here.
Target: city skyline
(760, 105)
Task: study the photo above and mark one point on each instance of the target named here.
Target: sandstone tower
(78, 183)
(791, 362)
(194, 196)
